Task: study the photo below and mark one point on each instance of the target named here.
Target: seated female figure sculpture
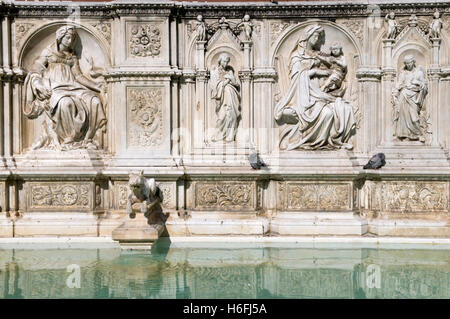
(72, 102)
(315, 119)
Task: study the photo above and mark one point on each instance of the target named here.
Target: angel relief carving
(313, 108)
(72, 103)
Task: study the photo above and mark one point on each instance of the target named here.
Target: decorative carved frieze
(145, 119)
(315, 196)
(224, 195)
(411, 196)
(50, 196)
(145, 40)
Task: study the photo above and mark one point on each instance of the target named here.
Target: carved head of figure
(336, 49)
(65, 37)
(200, 18)
(224, 59)
(314, 37)
(410, 62)
(392, 15)
(436, 14)
(137, 184)
(246, 18)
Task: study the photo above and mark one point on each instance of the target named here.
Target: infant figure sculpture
(144, 191)
(73, 103)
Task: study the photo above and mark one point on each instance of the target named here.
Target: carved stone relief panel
(225, 195)
(146, 41)
(50, 196)
(121, 195)
(169, 194)
(410, 196)
(315, 196)
(145, 117)
(225, 113)
(65, 117)
(333, 74)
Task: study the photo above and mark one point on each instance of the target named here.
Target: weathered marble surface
(315, 90)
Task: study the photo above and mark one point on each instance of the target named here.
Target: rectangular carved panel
(225, 195)
(121, 195)
(413, 196)
(145, 117)
(168, 190)
(59, 196)
(315, 196)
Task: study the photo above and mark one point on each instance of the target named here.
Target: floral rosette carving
(145, 40)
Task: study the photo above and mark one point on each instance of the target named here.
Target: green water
(171, 271)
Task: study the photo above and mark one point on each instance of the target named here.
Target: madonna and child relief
(314, 111)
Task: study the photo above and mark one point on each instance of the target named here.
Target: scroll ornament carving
(411, 196)
(145, 40)
(122, 195)
(411, 121)
(276, 28)
(105, 29)
(168, 196)
(318, 196)
(145, 109)
(357, 28)
(319, 117)
(21, 30)
(221, 195)
(73, 103)
(65, 195)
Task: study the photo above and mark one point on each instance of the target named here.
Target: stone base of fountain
(137, 233)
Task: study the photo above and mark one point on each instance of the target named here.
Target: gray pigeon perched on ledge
(377, 161)
(255, 161)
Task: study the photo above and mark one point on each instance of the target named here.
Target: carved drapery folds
(69, 102)
(313, 108)
(410, 119)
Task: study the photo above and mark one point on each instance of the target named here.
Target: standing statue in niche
(316, 115)
(71, 102)
(393, 26)
(436, 26)
(408, 97)
(247, 27)
(225, 92)
(201, 29)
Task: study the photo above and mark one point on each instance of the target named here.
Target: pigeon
(255, 161)
(377, 161)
